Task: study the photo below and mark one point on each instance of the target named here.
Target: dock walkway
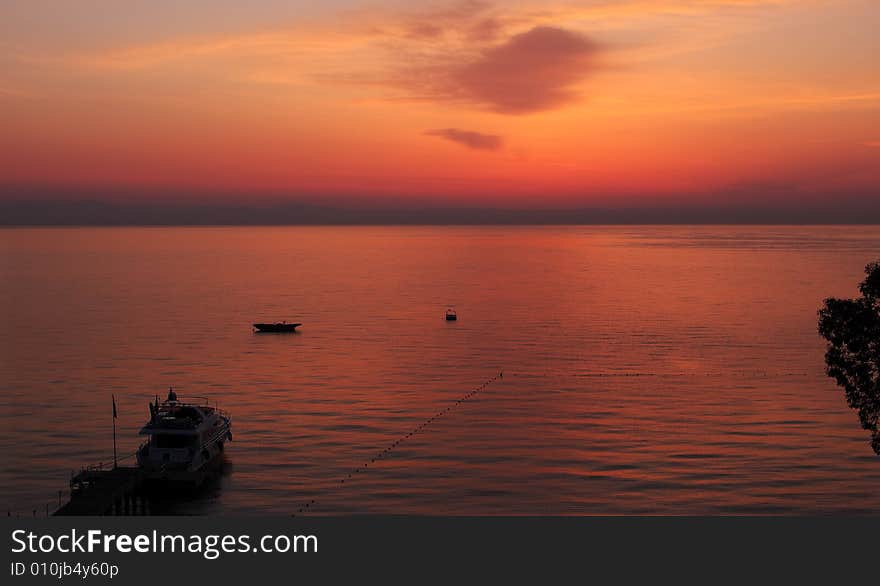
(109, 491)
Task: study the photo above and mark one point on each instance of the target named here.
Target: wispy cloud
(531, 71)
(468, 138)
(472, 53)
(471, 19)
(10, 92)
(456, 25)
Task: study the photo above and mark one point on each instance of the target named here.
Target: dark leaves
(852, 329)
(870, 287)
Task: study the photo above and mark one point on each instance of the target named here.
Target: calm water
(646, 369)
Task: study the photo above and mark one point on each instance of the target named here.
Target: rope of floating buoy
(758, 375)
(390, 448)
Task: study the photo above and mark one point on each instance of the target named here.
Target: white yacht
(185, 440)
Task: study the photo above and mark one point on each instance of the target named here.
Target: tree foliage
(852, 329)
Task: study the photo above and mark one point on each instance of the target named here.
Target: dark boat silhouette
(185, 444)
(451, 315)
(277, 327)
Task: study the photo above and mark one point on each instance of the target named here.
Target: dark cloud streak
(468, 138)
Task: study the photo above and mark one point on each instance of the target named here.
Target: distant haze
(170, 212)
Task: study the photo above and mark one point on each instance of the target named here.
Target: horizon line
(37, 212)
(14, 226)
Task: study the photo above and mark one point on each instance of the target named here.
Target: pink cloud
(532, 71)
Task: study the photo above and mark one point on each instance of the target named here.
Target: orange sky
(511, 104)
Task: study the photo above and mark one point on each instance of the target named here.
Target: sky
(752, 109)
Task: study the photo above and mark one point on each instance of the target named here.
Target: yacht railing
(196, 401)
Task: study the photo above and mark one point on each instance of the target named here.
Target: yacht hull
(186, 466)
(185, 475)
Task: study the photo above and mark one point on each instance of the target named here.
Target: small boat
(277, 327)
(185, 442)
(451, 315)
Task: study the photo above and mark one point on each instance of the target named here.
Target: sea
(593, 370)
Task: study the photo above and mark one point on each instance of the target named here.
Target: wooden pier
(108, 491)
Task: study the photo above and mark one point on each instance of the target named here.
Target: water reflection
(646, 369)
